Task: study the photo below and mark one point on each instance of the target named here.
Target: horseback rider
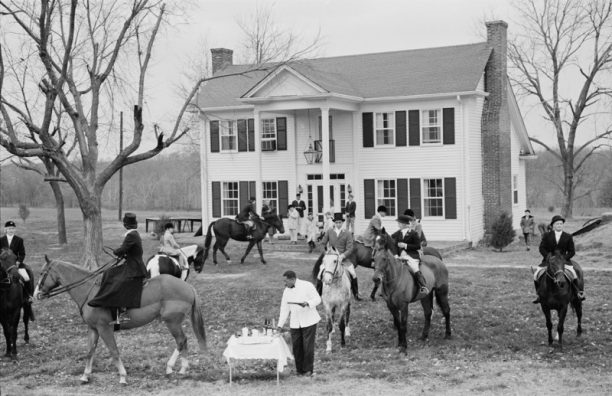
(15, 244)
(559, 240)
(122, 285)
(374, 227)
(342, 241)
(170, 247)
(418, 228)
(245, 217)
(409, 247)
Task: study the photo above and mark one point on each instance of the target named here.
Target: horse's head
(198, 261)
(382, 256)
(274, 221)
(556, 268)
(331, 264)
(48, 281)
(8, 259)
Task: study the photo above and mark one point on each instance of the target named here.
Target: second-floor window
(268, 134)
(228, 135)
(431, 126)
(385, 129)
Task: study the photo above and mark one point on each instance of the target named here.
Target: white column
(325, 157)
(355, 183)
(258, 179)
(204, 187)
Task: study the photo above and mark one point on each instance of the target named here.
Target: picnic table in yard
(181, 224)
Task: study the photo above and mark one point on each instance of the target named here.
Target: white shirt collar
(338, 231)
(128, 231)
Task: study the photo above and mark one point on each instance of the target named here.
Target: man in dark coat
(408, 245)
(13, 242)
(557, 239)
(349, 213)
(300, 206)
(121, 286)
(245, 216)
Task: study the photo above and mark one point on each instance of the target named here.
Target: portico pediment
(284, 82)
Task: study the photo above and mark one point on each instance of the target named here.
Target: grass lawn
(499, 343)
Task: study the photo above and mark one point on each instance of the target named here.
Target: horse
(556, 292)
(361, 255)
(336, 296)
(400, 289)
(164, 297)
(226, 228)
(161, 263)
(13, 298)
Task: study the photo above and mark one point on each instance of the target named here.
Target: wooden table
(181, 224)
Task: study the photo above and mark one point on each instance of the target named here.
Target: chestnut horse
(164, 297)
(400, 289)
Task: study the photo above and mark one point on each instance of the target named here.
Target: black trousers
(303, 340)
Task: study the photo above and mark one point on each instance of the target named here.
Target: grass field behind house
(498, 346)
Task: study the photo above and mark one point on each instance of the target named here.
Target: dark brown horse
(556, 292)
(361, 255)
(226, 229)
(400, 289)
(13, 298)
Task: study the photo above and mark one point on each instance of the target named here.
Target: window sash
(431, 126)
(229, 135)
(515, 189)
(270, 193)
(386, 194)
(230, 199)
(385, 129)
(433, 197)
(268, 134)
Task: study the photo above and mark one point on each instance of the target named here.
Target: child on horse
(245, 216)
(342, 241)
(170, 247)
(559, 240)
(409, 247)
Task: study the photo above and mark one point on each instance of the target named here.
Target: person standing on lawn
(528, 226)
(299, 304)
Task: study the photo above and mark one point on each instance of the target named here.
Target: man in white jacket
(299, 303)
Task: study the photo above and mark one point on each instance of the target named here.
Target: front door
(337, 194)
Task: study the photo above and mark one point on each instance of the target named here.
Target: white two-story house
(437, 130)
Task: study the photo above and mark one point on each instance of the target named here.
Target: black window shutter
(368, 129)
(402, 195)
(450, 198)
(242, 135)
(216, 199)
(369, 198)
(400, 128)
(281, 133)
(214, 136)
(448, 125)
(252, 189)
(414, 128)
(320, 199)
(283, 197)
(415, 197)
(243, 194)
(251, 133)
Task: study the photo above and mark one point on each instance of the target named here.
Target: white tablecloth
(277, 350)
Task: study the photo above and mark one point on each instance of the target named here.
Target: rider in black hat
(245, 217)
(408, 243)
(13, 242)
(554, 240)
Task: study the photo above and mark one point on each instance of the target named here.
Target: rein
(333, 274)
(70, 286)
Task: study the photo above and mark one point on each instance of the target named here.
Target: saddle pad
(570, 273)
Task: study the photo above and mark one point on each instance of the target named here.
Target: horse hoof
(84, 380)
(122, 381)
(263, 262)
(229, 261)
(448, 336)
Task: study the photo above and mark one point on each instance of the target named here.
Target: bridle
(553, 275)
(335, 274)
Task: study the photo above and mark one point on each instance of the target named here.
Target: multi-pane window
(433, 197)
(515, 196)
(230, 198)
(386, 194)
(431, 121)
(270, 193)
(228, 135)
(268, 134)
(385, 129)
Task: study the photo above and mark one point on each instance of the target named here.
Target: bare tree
(562, 56)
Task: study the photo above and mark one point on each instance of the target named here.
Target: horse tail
(207, 240)
(317, 267)
(197, 322)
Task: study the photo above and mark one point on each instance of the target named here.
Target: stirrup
(423, 290)
(537, 300)
(580, 295)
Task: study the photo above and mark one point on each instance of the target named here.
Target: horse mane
(7, 255)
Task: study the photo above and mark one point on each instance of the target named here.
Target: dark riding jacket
(16, 246)
(549, 244)
(300, 206)
(246, 213)
(411, 239)
(350, 209)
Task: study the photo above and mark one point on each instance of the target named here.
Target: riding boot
(580, 292)
(319, 287)
(420, 279)
(311, 246)
(355, 288)
(537, 300)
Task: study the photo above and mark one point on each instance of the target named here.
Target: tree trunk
(61, 218)
(93, 238)
(568, 194)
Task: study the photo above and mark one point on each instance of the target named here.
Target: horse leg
(222, 249)
(214, 253)
(248, 250)
(106, 332)
(562, 314)
(342, 327)
(442, 301)
(374, 290)
(14, 326)
(93, 343)
(330, 330)
(260, 252)
(404, 328)
(577, 304)
(546, 311)
(181, 346)
(27, 309)
(427, 304)
(347, 314)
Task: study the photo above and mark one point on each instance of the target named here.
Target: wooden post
(120, 169)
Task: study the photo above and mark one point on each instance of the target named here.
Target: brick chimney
(221, 57)
(496, 157)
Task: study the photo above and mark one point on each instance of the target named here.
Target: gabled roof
(387, 74)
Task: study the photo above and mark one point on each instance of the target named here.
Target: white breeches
(24, 274)
(412, 263)
(540, 271)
